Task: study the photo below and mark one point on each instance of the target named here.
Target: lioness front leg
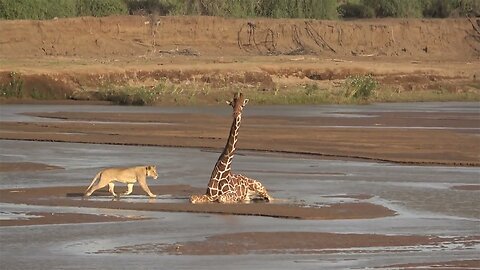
(143, 185)
(111, 186)
(130, 189)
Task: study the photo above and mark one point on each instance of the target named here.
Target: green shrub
(312, 9)
(395, 8)
(321, 9)
(14, 88)
(101, 8)
(130, 95)
(37, 9)
(49, 9)
(360, 86)
(160, 7)
(311, 89)
(355, 10)
(469, 7)
(450, 8)
(225, 8)
(438, 8)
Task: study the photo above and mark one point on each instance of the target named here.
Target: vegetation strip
(311, 9)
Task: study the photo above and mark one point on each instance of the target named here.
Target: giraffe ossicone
(224, 186)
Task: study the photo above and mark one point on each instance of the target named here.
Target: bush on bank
(49, 9)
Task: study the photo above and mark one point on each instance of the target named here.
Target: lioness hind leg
(96, 187)
(101, 183)
(130, 189)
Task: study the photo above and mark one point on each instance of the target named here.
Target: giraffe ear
(229, 102)
(245, 101)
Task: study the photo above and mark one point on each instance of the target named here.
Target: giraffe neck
(223, 165)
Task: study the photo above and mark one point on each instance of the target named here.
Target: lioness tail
(93, 181)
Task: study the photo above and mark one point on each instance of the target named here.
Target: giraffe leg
(229, 197)
(195, 199)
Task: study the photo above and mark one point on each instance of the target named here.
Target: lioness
(124, 175)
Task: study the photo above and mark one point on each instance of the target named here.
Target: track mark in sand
(467, 187)
(26, 166)
(44, 218)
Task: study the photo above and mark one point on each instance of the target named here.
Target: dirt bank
(127, 36)
(73, 58)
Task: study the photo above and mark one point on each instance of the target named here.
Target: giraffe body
(225, 187)
(238, 189)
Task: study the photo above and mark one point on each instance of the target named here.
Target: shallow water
(422, 196)
(13, 112)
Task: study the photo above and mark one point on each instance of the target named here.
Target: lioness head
(152, 171)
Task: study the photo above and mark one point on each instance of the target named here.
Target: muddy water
(422, 196)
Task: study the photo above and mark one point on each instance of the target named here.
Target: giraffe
(224, 186)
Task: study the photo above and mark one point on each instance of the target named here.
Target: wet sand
(467, 187)
(72, 196)
(26, 166)
(439, 138)
(466, 264)
(291, 242)
(43, 218)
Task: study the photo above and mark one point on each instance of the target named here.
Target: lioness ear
(245, 101)
(147, 167)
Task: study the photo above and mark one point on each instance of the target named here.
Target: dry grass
(205, 94)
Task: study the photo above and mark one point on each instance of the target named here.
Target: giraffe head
(238, 102)
(256, 187)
